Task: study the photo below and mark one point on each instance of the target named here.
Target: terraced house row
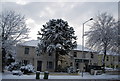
(26, 54)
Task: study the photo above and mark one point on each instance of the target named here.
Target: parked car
(95, 70)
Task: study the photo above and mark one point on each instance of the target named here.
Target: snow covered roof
(79, 47)
(33, 43)
(109, 53)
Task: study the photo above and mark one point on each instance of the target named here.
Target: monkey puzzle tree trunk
(56, 61)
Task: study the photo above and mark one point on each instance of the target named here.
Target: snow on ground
(85, 76)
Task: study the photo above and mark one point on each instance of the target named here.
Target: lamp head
(91, 18)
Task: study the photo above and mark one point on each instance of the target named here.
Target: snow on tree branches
(57, 37)
(103, 33)
(13, 31)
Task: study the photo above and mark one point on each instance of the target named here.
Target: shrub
(27, 69)
(13, 66)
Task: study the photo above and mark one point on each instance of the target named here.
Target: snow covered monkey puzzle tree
(13, 31)
(57, 37)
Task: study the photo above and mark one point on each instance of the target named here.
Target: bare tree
(101, 34)
(115, 44)
(13, 31)
(118, 36)
(117, 32)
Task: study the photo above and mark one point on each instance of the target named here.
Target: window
(50, 54)
(107, 58)
(92, 56)
(38, 54)
(25, 62)
(49, 64)
(113, 58)
(75, 54)
(112, 66)
(71, 64)
(77, 65)
(26, 51)
(117, 66)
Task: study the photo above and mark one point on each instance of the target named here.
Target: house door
(86, 67)
(39, 65)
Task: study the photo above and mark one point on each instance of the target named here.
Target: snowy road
(86, 76)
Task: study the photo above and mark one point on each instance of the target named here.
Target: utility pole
(83, 56)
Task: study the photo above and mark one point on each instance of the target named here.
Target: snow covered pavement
(86, 76)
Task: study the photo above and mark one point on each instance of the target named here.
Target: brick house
(26, 53)
(80, 60)
(111, 60)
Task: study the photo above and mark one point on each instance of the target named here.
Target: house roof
(32, 43)
(110, 53)
(79, 47)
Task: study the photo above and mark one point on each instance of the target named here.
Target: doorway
(39, 65)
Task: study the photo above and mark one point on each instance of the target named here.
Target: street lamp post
(83, 56)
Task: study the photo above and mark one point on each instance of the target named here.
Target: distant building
(111, 61)
(80, 60)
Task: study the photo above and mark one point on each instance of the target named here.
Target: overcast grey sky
(76, 13)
